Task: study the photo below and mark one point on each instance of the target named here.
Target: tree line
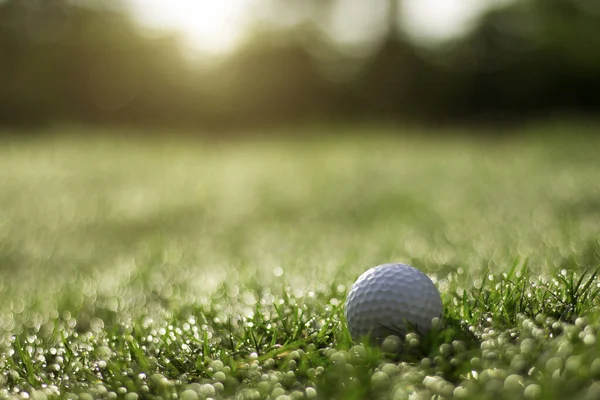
(61, 61)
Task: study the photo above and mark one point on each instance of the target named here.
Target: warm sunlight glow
(217, 26)
(438, 19)
(208, 25)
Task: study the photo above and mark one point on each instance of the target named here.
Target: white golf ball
(387, 297)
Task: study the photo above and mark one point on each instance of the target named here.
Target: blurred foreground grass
(130, 266)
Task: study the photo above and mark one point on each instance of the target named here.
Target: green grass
(132, 269)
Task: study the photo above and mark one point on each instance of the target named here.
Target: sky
(217, 26)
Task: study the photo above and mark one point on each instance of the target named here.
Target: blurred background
(205, 65)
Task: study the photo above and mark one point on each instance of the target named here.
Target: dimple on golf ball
(387, 298)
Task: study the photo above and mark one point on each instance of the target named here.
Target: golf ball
(387, 297)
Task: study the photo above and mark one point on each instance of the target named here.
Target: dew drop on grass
(380, 379)
(311, 393)
(532, 391)
(513, 382)
(188, 395)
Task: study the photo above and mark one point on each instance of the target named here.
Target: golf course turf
(187, 269)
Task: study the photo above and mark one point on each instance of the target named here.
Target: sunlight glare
(435, 19)
(215, 26)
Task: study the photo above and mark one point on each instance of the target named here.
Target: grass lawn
(195, 270)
